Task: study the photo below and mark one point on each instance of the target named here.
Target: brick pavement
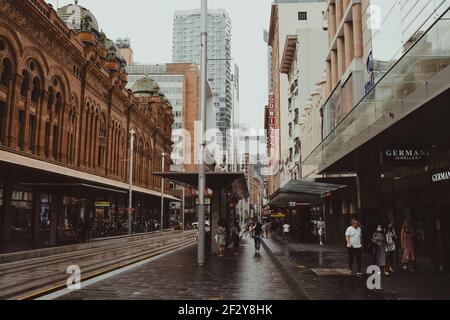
(240, 275)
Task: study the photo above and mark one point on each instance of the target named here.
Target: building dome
(78, 18)
(146, 86)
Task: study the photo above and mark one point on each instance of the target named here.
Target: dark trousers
(257, 243)
(390, 259)
(352, 254)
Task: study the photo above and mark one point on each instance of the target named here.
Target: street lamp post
(202, 171)
(163, 160)
(183, 208)
(130, 191)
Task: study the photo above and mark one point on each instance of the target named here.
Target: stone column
(63, 132)
(108, 152)
(328, 72)
(13, 103)
(331, 23)
(340, 57)
(91, 141)
(86, 147)
(339, 13)
(349, 43)
(81, 137)
(357, 30)
(26, 137)
(95, 143)
(41, 122)
(76, 135)
(50, 134)
(334, 69)
(345, 5)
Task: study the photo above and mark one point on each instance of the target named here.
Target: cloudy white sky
(148, 23)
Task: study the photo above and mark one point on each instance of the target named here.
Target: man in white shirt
(321, 229)
(353, 237)
(286, 228)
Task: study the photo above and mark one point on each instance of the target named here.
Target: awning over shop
(71, 187)
(34, 164)
(214, 180)
(301, 192)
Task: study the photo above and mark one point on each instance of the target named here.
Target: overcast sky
(149, 23)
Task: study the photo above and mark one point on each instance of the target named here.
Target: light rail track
(37, 277)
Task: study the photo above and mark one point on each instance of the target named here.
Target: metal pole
(130, 191)
(202, 171)
(162, 190)
(182, 210)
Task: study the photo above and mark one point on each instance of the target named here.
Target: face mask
(379, 229)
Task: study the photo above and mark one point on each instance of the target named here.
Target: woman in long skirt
(409, 254)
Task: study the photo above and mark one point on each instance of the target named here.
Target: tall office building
(180, 83)
(186, 49)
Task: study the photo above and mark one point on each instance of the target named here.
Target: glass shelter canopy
(420, 75)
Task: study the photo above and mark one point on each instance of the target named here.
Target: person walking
(391, 249)
(407, 240)
(321, 230)
(353, 236)
(257, 233)
(268, 227)
(379, 241)
(236, 231)
(286, 228)
(221, 240)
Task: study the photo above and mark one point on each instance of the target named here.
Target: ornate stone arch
(74, 102)
(60, 74)
(10, 36)
(39, 57)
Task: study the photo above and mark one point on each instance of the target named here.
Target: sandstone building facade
(65, 122)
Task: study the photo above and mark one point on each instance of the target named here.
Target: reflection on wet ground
(321, 274)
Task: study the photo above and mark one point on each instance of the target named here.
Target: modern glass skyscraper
(186, 48)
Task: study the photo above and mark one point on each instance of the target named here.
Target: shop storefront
(302, 203)
(422, 196)
(38, 210)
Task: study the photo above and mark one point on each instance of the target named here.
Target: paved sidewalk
(299, 260)
(239, 275)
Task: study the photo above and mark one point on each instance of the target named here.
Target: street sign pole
(202, 170)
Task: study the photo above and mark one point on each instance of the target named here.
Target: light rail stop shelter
(228, 188)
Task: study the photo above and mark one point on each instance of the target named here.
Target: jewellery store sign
(441, 176)
(406, 156)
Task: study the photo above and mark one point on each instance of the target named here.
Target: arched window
(71, 137)
(25, 84)
(36, 92)
(58, 104)
(50, 100)
(86, 135)
(5, 75)
(141, 163)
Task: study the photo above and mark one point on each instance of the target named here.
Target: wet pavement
(283, 271)
(321, 273)
(240, 275)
